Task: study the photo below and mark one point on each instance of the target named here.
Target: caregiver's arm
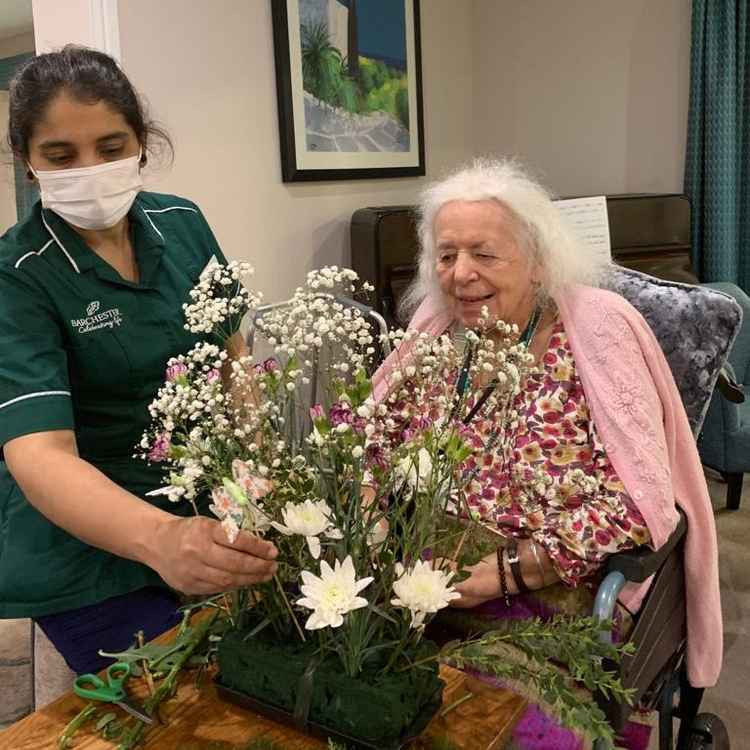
(190, 554)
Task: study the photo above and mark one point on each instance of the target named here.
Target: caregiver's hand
(194, 555)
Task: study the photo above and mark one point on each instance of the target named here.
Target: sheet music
(587, 218)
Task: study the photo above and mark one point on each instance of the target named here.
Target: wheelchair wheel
(707, 732)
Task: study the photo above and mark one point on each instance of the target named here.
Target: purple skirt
(110, 625)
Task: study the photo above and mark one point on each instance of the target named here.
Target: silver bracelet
(538, 561)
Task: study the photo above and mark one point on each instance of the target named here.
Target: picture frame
(344, 117)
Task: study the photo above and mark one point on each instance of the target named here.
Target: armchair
(724, 443)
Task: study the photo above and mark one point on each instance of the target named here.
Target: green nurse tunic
(83, 349)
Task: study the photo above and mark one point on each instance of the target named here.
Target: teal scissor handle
(92, 686)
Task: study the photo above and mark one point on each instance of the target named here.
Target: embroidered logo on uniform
(95, 320)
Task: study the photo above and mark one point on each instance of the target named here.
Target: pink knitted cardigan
(639, 415)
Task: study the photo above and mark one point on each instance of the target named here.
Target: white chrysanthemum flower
(333, 594)
(415, 469)
(422, 590)
(309, 519)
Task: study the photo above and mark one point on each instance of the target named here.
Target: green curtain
(717, 164)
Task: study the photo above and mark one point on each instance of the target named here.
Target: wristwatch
(514, 560)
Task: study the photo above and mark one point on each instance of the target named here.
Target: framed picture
(349, 85)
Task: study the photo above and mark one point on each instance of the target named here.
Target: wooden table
(197, 719)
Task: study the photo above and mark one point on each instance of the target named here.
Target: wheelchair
(708, 323)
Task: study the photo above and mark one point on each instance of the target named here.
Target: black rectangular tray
(280, 716)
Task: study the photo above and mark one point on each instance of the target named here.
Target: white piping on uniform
(34, 395)
(32, 252)
(148, 211)
(62, 247)
(169, 208)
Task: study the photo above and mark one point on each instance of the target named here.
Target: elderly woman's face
(479, 262)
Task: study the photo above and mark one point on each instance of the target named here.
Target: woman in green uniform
(91, 291)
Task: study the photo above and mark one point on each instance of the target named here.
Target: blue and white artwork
(355, 76)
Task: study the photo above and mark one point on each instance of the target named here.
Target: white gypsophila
(309, 519)
(219, 295)
(422, 590)
(173, 494)
(333, 594)
(315, 319)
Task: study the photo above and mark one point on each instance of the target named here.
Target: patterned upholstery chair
(724, 443)
(695, 326)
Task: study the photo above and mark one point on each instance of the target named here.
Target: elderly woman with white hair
(601, 400)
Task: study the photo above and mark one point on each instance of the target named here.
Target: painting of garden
(354, 74)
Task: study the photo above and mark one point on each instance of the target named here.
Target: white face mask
(91, 197)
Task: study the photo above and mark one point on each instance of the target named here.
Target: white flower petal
(283, 529)
(313, 544)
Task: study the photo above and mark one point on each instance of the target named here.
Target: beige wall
(209, 76)
(592, 93)
(58, 22)
(16, 45)
(7, 177)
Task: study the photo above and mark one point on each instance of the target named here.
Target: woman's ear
(536, 275)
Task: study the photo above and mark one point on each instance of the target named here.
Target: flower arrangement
(355, 493)
(373, 503)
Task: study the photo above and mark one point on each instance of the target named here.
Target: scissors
(92, 687)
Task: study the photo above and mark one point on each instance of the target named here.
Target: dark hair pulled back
(89, 76)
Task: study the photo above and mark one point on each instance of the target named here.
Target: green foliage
(385, 89)
(86, 714)
(574, 642)
(372, 74)
(324, 70)
(325, 76)
(321, 63)
(402, 106)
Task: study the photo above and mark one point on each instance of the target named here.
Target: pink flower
(340, 414)
(213, 375)
(375, 456)
(175, 371)
(253, 486)
(223, 503)
(160, 449)
(316, 412)
(270, 365)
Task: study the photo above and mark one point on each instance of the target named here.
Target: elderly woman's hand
(482, 584)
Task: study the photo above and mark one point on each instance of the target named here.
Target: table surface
(197, 719)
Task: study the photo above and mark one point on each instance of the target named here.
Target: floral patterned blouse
(551, 480)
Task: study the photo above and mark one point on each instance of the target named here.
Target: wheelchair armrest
(638, 564)
(729, 387)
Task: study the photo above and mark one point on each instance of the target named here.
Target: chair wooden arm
(641, 563)
(729, 387)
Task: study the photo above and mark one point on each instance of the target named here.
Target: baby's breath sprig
(220, 298)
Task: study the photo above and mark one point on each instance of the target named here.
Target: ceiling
(15, 18)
